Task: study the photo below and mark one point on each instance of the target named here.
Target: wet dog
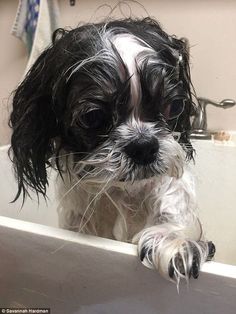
(108, 105)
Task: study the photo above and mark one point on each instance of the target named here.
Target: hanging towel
(34, 23)
(26, 21)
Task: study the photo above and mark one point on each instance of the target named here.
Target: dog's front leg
(172, 240)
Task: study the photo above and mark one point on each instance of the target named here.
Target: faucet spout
(199, 124)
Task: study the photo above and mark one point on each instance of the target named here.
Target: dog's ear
(183, 123)
(34, 126)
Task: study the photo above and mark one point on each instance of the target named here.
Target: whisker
(69, 154)
(118, 209)
(81, 226)
(71, 188)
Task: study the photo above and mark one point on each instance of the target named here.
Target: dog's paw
(185, 263)
(188, 264)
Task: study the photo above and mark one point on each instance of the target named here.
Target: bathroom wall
(13, 58)
(208, 24)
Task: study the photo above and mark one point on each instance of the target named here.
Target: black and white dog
(108, 105)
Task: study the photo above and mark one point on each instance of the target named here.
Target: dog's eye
(94, 119)
(174, 110)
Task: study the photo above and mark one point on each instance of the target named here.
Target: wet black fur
(48, 104)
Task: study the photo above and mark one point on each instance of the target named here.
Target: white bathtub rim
(214, 268)
(62, 234)
(5, 147)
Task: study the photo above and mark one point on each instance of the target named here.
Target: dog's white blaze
(129, 47)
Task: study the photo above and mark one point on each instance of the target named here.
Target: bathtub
(47, 267)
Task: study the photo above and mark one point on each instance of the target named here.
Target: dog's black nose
(142, 151)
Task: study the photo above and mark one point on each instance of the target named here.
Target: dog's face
(110, 95)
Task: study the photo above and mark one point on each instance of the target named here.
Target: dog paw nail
(143, 253)
(195, 269)
(171, 271)
(211, 249)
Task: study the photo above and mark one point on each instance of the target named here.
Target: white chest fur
(123, 209)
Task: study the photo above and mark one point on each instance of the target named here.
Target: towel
(34, 23)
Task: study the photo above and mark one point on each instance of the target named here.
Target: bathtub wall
(13, 58)
(209, 25)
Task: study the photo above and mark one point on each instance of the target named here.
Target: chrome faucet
(199, 124)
